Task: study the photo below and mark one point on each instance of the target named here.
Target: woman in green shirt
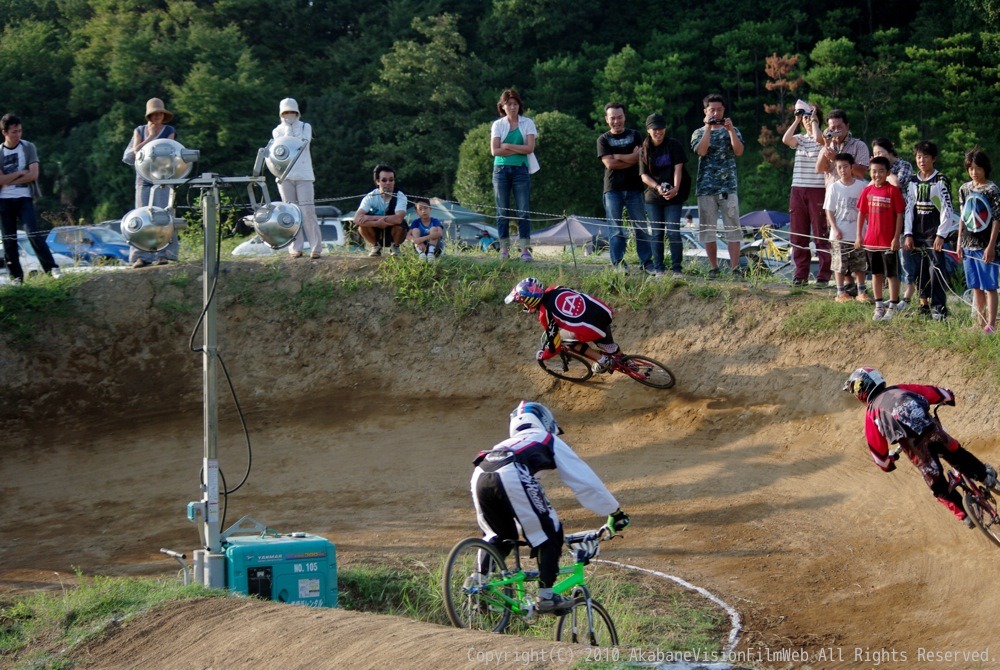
(512, 143)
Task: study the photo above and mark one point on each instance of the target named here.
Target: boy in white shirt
(849, 265)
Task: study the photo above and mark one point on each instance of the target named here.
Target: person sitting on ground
(901, 415)
(381, 216)
(426, 232)
(573, 317)
(509, 499)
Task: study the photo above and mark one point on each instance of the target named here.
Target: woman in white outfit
(297, 188)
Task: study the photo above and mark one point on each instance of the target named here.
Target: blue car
(92, 244)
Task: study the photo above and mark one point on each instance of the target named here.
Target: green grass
(38, 630)
(42, 630)
(25, 307)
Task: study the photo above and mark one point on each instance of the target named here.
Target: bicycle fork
(582, 592)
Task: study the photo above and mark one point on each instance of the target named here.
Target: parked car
(330, 227)
(29, 261)
(92, 244)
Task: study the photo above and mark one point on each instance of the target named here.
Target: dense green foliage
(405, 81)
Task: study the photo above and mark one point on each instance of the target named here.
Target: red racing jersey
(586, 317)
(900, 412)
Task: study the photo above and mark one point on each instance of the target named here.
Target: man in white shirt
(381, 216)
(18, 187)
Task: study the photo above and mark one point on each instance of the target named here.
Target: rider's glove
(619, 520)
(544, 354)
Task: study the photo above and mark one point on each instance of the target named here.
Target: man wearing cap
(155, 128)
(18, 187)
(298, 186)
(618, 150)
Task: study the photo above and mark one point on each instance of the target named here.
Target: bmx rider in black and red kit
(901, 415)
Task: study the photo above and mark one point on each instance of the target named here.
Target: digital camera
(831, 134)
(802, 112)
(715, 121)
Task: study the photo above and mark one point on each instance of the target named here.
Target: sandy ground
(750, 478)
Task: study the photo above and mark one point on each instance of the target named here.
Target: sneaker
(863, 297)
(968, 522)
(504, 254)
(678, 274)
(713, 273)
(621, 268)
(424, 257)
(394, 250)
(315, 256)
(890, 311)
(901, 305)
(162, 261)
(295, 254)
(800, 282)
(139, 264)
(375, 251)
(938, 313)
(475, 579)
(557, 604)
(924, 310)
(821, 284)
(879, 311)
(843, 297)
(851, 289)
(526, 256)
(649, 271)
(659, 274)
(990, 480)
(601, 365)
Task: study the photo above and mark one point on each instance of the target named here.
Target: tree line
(414, 83)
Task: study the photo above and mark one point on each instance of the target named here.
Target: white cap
(288, 105)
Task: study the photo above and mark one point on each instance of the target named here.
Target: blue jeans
(664, 216)
(507, 179)
(12, 209)
(615, 204)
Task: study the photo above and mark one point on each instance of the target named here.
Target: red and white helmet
(865, 383)
(528, 292)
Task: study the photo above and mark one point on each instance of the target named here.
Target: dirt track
(750, 479)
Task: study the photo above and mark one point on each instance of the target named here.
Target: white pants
(301, 193)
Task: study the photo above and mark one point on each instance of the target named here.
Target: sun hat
(289, 105)
(154, 105)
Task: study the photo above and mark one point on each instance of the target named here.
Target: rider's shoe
(990, 480)
(603, 364)
(474, 579)
(968, 522)
(557, 604)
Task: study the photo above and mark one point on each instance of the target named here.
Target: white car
(330, 228)
(29, 261)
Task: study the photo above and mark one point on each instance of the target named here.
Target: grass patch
(41, 630)
(37, 631)
(24, 307)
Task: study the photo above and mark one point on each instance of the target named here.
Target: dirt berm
(750, 478)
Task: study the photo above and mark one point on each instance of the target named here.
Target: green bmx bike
(481, 593)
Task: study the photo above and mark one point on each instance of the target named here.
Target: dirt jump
(749, 478)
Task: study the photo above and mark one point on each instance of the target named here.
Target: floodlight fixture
(163, 160)
(150, 228)
(280, 156)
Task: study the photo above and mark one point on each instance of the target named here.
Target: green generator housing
(297, 568)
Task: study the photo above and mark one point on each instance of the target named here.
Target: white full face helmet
(533, 416)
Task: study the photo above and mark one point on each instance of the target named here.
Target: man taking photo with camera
(718, 144)
(839, 140)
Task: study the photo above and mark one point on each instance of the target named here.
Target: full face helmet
(865, 383)
(528, 292)
(533, 416)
